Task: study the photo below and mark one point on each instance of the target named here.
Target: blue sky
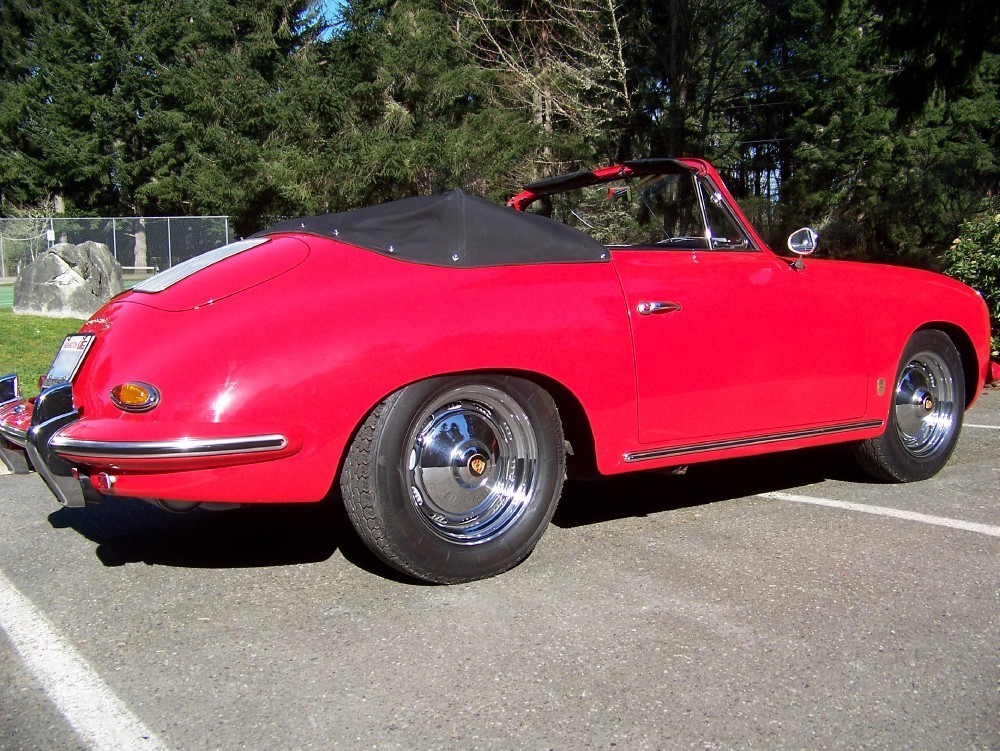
(329, 8)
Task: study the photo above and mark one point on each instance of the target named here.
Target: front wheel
(925, 416)
(455, 479)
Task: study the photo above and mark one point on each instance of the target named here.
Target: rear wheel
(925, 416)
(455, 479)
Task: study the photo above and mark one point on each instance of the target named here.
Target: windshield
(672, 210)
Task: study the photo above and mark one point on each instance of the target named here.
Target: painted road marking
(99, 717)
(983, 427)
(941, 521)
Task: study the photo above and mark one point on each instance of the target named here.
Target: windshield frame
(647, 167)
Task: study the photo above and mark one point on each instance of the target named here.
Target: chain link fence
(142, 245)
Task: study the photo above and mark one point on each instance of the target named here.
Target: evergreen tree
(424, 116)
(252, 108)
(237, 129)
(843, 163)
(125, 107)
(52, 152)
(934, 48)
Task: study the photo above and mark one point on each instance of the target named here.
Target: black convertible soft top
(452, 229)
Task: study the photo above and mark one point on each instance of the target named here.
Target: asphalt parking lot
(772, 603)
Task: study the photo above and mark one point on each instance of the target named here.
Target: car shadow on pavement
(131, 531)
(638, 494)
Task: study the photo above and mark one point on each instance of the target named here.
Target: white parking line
(941, 521)
(981, 427)
(99, 717)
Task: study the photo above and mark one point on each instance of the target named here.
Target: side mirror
(802, 242)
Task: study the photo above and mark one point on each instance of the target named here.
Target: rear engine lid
(220, 273)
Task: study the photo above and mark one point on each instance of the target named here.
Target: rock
(68, 281)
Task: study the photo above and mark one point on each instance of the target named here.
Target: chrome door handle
(651, 308)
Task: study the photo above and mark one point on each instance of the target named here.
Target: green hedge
(974, 258)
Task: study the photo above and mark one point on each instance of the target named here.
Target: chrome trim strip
(698, 448)
(180, 448)
(169, 277)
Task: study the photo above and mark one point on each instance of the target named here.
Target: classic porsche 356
(433, 360)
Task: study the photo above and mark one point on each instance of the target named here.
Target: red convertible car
(435, 360)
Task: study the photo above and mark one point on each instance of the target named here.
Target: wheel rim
(925, 408)
(472, 466)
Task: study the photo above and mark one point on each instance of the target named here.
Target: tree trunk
(140, 244)
(59, 208)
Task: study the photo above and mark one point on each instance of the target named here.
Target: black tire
(455, 479)
(925, 416)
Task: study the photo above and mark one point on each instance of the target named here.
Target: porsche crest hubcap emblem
(477, 465)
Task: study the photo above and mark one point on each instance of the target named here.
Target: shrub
(974, 258)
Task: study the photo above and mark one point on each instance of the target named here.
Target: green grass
(28, 344)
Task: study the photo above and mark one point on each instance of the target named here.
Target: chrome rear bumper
(31, 439)
(12, 438)
(26, 450)
(12, 452)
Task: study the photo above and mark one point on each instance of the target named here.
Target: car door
(732, 341)
(739, 343)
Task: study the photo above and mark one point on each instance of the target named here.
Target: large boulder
(68, 281)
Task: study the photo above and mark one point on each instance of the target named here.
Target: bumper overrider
(53, 411)
(30, 440)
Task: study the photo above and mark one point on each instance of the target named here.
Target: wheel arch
(966, 352)
(581, 457)
(577, 428)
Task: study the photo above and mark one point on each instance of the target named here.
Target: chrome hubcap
(472, 466)
(925, 408)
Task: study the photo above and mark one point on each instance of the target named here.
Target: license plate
(68, 359)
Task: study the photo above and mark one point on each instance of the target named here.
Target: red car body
(265, 363)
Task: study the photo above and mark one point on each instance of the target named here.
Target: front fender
(897, 302)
